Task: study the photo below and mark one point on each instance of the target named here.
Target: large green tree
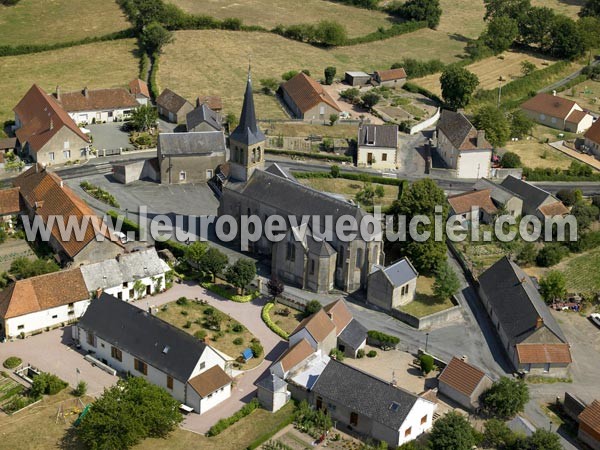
(143, 118)
(553, 286)
(495, 124)
(241, 273)
(500, 34)
(458, 85)
(194, 252)
(542, 439)
(419, 10)
(446, 282)
(567, 41)
(520, 124)
(154, 37)
(536, 25)
(452, 432)
(213, 261)
(331, 33)
(506, 397)
(514, 9)
(590, 8)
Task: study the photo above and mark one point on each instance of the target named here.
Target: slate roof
(193, 143)
(532, 195)
(551, 105)
(306, 93)
(459, 131)
(385, 136)
(200, 115)
(354, 334)
(139, 87)
(247, 132)
(41, 118)
(9, 201)
(143, 335)
(276, 169)
(498, 192)
(271, 383)
(365, 394)
(171, 101)
(97, 99)
(591, 416)
(462, 203)
(516, 302)
(462, 376)
(593, 133)
(209, 381)
(391, 74)
(319, 248)
(399, 273)
(319, 325)
(544, 353)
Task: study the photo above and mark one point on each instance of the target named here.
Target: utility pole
(499, 90)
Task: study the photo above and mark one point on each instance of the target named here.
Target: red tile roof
(9, 201)
(209, 381)
(576, 116)
(462, 376)
(307, 93)
(462, 203)
(319, 325)
(140, 87)
(391, 74)
(549, 104)
(340, 314)
(593, 134)
(590, 416)
(543, 353)
(97, 100)
(42, 117)
(214, 102)
(554, 209)
(295, 355)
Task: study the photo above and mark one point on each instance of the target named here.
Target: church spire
(247, 132)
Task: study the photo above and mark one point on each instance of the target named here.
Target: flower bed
(99, 194)
(225, 291)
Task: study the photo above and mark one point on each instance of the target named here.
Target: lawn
(425, 303)
(586, 94)
(582, 272)
(298, 129)
(462, 20)
(534, 154)
(51, 21)
(104, 64)
(569, 8)
(194, 315)
(224, 59)
(286, 323)
(349, 188)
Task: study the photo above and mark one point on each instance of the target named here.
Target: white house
(97, 105)
(592, 139)
(557, 112)
(133, 341)
(130, 276)
(378, 146)
(41, 302)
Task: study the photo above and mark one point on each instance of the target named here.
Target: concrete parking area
(108, 136)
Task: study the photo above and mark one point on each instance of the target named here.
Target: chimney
(98, 292)
(197, 102)
(58, 93)
(480, 138)
(62, 183)
(539, 323)
(554, 92)
(86, 92)
(464, 358)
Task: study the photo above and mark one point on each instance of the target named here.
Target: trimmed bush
(257, 349)
(238, 341)
(426, 362)
(336, 354)
(223, 424)
(385, 341)
(81, 389)
(46, 383)
(12, 362)
(272, 325)
(182, 301)
(200, 335)
(220, 290)
(360, 353)
(371, 354)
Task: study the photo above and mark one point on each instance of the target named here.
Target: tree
(334, 171)
(514, 9)
(194, 252)
(231, 120)
(312, 307)
(496, 434)
(527, 255)
(23, 267)
(568, 196)
(452, 432)
(543, 439)
(553, 286)
(143, 118)
(520, 124)
(81, 389)
(366, 195)
(419, 11)
(550, 255)
(501, 32)
(527, 67)
(590, 8)
(241, 273)
(350, 94)
(535, 26)
(510, 160)
(148, 11)
(446, 282)
(495, 124)
(585, 214)
(331, 33)
(567, 42)
(154, 37)
(269, 85)
(333, 118)
(330, 72)
(506, 397)
(370, 99)
(275, 287)
(589, 30)
(426, 363)
(213, 261)
(127, 413)
(458, 85)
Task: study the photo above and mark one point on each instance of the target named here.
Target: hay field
(507, 65)
(52, 21)
(569, 8)
(103, 64)
(215, 62)
(462, 19)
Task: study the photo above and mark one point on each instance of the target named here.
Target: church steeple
(247, 132)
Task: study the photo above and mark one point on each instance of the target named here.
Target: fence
(426, 123)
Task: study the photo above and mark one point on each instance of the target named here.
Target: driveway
(108, 136)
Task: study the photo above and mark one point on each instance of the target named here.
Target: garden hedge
(213, 287)
(225, 423)
(269, 322)
(322, 156)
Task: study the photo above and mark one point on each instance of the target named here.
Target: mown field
(534, 154)
(51, 21)
(104, 64)
(567, 7)
(349, 188)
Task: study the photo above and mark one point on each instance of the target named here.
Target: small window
(182, 175)
(67, 154)
(209, 174)
(359, 258)
(169, 381)
(20, 327)
(66, 145)
(202, 365)
(71, 313)
(140, 366)
(312, 266)
(210, 395)
(384, 157)
(91, 339)
(408, 431)
(423, 419)
(55, 316)
(51, 156)
(291, 251)
(116, 353)
(70, 305)
(125, 285)
(110, 114)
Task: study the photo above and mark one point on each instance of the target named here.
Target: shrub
(336, 354)
(257, 349)
(237, 328)
(426, 363)
(371, 354)
(200, 335)
(385, 341)
(511, 160)
(312, 307)
(46, 383)
(272, 325)
(188, 324)
(360, 353)
(183, 301)
(550, 255)
(184, 313)
(238, 341)
(569, 196)
(223, 424)
(12, 362)
(81, 389)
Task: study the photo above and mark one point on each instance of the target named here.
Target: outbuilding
(357, 78)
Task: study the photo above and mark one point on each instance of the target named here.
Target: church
(300, 259)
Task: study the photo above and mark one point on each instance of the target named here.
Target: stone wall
(437, 318)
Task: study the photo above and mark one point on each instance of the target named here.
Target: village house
(44, 194)
(45, 132)
(139, 89)
(529, 333)
(45, 301)
(190, 157)
(172, 106)
(536, 201)
(308, 100)
(214, 102)
(463, 383)
(202, 118)
(463, 148)
(592, 139)
(10, 207)
(7, 145)
(589, 425)
(378, 146)
(128, 277)
(501, 196)
(97, 105)
(133, 341)
(392, 286)
(463, 205)
(557, 112)
(389, 78)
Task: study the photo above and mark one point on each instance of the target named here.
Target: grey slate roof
(499, 193)
(385, 136)
(532, 195)
(365, 394)
(203, 114)
(399, 273)
(354, 334)
(276, 169)
(271, 383)
(139, 333)
(171, 101)
(515, 301)
(455, 126)
(247, 132)
(196, 143)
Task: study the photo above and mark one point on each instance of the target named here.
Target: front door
(319, 403)
(353, 419)
(369, 158)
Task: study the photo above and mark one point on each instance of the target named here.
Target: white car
(120, 236)
(595, 317)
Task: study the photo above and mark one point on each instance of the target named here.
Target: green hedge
(323, 156)
(353, 176)
(177, 248)
(272, 325)
(144, 64)
(219, 290)
(551, 174)
(127, 225)
(223, 424)
(416, 89)
(152, 83)
(385, 340)
(386, 33)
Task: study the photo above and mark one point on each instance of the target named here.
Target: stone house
(502, 197)
(530, 335)
(172, 106)
(308, 100)
(536, 201)
(557, 112)
(133, 341)
(45, 132)
(389, 78)
(462, 147)
(463, 383)
(97, 105)
(463, 206)
(10, 207)
(139, 89)
(318, 330)
(202, 118)
(589, 425)
(7, 145)
(190, 157)
(214, 102)
(592, 139)
(392, 286)
(378, 146)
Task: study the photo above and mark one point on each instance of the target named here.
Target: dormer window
(370, 135)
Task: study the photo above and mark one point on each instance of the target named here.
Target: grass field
(224, 61)
(533, 154)
(462, 20)
(104, 64)
(342, 131)
(567, 7)
(488, 70)
(586, 94)
(425, 302)
(582, 273)
(51, 21)
(286, 323)
(269, 13)
(349, 188)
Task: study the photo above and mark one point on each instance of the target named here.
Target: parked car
(595, 318)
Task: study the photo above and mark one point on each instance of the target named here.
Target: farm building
(202, 118)
(392, 286)
(377, 146)
(557, 112)
(389, 78)
(589, 425)
(97, 105)
(357, 78)
(308, 100)
(131, 340)
(172, 106)
(464, 204)
(592, 139)
(139, 89)
(463, 383)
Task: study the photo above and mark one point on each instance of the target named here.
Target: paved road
(566, 79)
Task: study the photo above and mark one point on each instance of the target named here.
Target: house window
(359, 258)
(547, 368)
(66, 145)
(202, 365)
(20, 327)
(407, 432)
(71, 305)
(340, 258)
(209, 174)
(91, 339)
(182, 175)
(116, 353)
(55, 316)
(110, 114)
(353, 419)
(312, 266)
(210, 395)
(423, 419)
(169, 381)
(67, 154)
(71, 313)
(140, 366)
(384, 157)
(51, 156)
(291, 251)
